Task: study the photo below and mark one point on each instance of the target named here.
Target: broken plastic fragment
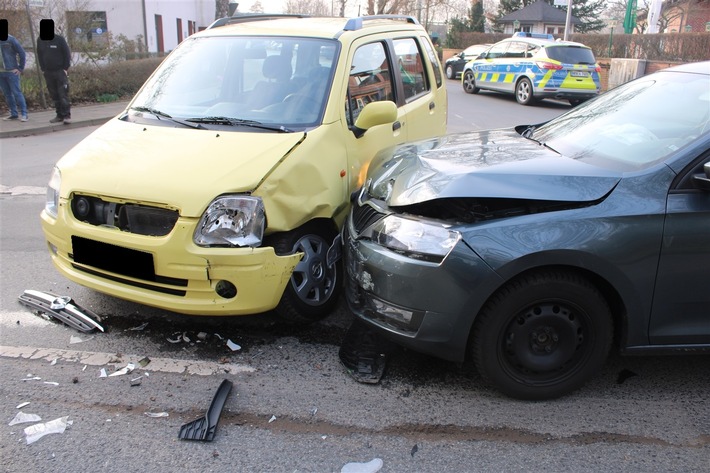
(53, 362)
(185, 338)
(273, 418)
(373, 466)
(204, 428)
(177, 338)
(102, 373)
(74, 339)
(140, 327)
(156, 415)
(233, 346)
(37, 431)
(53, 383)
(34, 378)
(202, 336)
(136, 381)
(144, 361)
(127, 369)
(22, 418)
(21, 405)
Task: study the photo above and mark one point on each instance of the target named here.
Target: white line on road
(164, 365)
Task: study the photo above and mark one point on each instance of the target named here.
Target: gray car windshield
(634, 125)
(280, 82)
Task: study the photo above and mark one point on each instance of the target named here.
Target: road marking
(23, 190)
(163, 365)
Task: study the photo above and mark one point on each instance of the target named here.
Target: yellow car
(221, 189)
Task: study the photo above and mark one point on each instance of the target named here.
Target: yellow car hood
(179, 167)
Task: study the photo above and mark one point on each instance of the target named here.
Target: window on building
(179, 30)
(87, 30)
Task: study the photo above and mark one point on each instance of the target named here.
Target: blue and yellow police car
(534, 67)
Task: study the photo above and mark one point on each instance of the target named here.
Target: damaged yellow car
(220, 190)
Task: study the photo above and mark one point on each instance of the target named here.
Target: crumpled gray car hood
(486, 164)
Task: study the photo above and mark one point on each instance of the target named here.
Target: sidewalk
(82, 115)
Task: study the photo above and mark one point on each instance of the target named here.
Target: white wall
(126, 17)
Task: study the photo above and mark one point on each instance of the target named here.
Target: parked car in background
(533, 251)
(222, 187)
(534, 67)
(454, 65)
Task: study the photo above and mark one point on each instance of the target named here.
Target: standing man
(13, 63)
(54, 59)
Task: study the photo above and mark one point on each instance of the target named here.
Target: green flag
(630, 18)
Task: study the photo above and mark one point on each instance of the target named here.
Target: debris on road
(127, 369)
(157, 415)
(373, 466)
(62, 308)
(273, 418)
(233, 346)
(364, 353)
(23, 404)
(139, 328)
(204, 428)
(37, 431)
(136, 381)
(22, 418)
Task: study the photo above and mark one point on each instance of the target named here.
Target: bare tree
(307, 7)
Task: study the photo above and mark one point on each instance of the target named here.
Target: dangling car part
(62, 308)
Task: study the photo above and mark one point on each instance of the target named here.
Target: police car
(534, 67)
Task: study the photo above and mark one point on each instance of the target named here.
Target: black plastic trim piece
(204, 427)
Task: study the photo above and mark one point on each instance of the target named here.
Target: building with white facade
(162, 24)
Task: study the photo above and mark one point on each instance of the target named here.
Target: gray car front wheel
(542, 335)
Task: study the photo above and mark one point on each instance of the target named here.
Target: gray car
(533, 251)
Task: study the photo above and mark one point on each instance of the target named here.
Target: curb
(51, 128)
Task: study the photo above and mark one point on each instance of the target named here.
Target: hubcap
(312, 279)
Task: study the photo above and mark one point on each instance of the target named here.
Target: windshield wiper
(527, 133)
(162, 115)
(239, 122)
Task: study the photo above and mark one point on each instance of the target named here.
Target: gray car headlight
(232, 220)
(52, 203)
(415, 238)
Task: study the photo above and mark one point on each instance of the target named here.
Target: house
(686, 16)
(538, 17)
(160, 24)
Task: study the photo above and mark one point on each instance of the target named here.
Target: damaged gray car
(533, 251)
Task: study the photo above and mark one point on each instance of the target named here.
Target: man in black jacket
(54, 59)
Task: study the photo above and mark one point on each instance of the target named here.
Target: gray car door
(681, 302)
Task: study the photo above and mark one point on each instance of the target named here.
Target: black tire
(575, 102)
(524, 92)
(313, 289)
(449, 72)
(542, 336)
(469, 83)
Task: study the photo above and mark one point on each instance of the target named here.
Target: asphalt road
(293, 407)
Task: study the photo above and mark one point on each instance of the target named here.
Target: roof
(303, 25)
(539, 12)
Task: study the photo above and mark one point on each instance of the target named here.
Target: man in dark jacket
(54, 59)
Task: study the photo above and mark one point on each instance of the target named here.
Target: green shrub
(90, 83)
